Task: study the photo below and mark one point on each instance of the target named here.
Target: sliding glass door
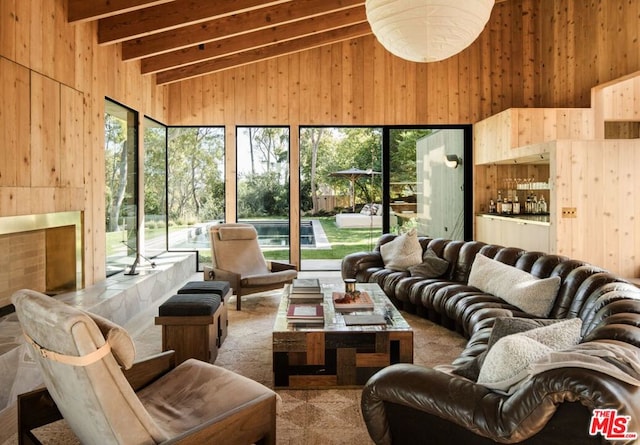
(340, 193)
(263, 186)
(426, 174)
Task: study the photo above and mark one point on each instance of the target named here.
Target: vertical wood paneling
(283, 90)
(45, 131)
(367, 111)
(379, 85)
(337, 116)
(357, 86)
(325, 84)
(346, 72)
(72, 138)
(15, 155)
(294, 89)
(262, 108)
(305, 70)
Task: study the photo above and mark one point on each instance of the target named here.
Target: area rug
(306, 417)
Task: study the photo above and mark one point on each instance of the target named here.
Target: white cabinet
(513, 232)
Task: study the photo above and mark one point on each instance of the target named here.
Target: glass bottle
(543, 204)
(516, 205)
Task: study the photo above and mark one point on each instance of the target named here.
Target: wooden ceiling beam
(252, 40)
(230, 26)
(268, 52)
(84, 11)
(170, 16)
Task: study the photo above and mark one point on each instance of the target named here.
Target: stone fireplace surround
(41, 252)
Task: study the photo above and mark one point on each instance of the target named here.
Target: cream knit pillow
(517, 287)
(403, 252)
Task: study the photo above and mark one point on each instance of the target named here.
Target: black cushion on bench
(205, 287)
(181, 305)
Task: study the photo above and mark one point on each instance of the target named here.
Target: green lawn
(343, 242)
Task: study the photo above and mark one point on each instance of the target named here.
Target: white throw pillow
(533, 295)
(507, 364)
(402, 252)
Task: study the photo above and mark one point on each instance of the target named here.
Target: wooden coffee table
(334, 354)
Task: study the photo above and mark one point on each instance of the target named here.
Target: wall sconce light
(452, 161)
(427, 30)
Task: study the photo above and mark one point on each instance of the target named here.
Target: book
(363, 320)
(317, 297)
(305, 313)
(305, 286)
(352, 302)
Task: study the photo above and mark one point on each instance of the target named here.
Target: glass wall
(263, 186)
(426, 181)
(340, 193)
(121, 186)
(195, 187)
(155, 188)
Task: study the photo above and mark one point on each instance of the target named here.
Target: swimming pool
(274, 233)
(271, 234)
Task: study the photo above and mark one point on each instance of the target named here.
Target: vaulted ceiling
(181, 39)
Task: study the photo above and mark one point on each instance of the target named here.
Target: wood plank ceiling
(181, 39)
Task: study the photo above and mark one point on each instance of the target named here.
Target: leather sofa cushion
(517, 287)
(432, 266)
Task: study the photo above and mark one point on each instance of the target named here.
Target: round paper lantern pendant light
(427, 30)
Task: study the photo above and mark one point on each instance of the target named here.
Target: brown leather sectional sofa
(409, 404)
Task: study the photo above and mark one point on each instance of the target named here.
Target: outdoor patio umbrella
(352, 174)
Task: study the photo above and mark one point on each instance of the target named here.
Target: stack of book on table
(305, 314)
(305, 290)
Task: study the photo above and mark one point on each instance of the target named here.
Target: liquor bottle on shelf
(516, 205)
(507, 206)
(492, 206)
(542, 204)
(499, 202)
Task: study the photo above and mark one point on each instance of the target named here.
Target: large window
(121, 186)
(427, 173)
(155, 188)
(263, 186)
(356, 183)
(195, 187)
(340, 193)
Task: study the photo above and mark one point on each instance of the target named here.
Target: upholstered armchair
(237, 258)
(91, 380)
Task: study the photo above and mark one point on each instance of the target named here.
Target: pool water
(276, 233)
(271, 233)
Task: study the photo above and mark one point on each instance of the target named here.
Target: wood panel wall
(54, 79)
(533, 53)
(546, 53)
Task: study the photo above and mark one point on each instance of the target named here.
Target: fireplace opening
(41, 252)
